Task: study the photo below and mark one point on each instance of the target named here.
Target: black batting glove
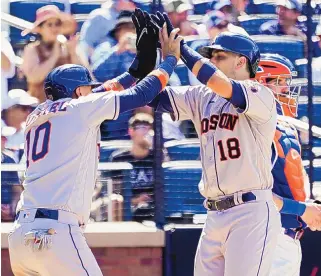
(146, 45)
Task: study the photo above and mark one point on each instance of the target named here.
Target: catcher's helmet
(62, 81)
(238, 44)
(277, 72)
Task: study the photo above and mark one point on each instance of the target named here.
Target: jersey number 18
(38, 154)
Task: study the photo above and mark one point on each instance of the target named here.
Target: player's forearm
(289, 206)
(206, 72)
(122, 82)
(144, 92)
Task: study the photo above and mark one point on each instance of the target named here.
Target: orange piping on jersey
(294, 174)
(161, 75)
(279, 148)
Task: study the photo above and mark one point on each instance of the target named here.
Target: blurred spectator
(7, 67)
(10, 184)
(14, 114)
(141, 157)
(178, 11)
(49, 51)
(231, 8)
(288, 12)
(96, 29)
(116, 60)
(216, 22)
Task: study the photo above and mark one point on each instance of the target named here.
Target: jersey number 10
(37, 155)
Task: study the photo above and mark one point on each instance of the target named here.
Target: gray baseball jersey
(235, 143)
(61, 146)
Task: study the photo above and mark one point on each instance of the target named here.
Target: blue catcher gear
(62, 81)
(238, 44)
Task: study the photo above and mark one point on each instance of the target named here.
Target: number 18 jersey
(235, 143)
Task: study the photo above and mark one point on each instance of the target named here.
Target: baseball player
(61, 141)
(289, 176)
(235, 119)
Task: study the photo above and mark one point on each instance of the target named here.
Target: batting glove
(146, 45)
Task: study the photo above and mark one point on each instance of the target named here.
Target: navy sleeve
(162, 103)
(140, 95)
(238, 97)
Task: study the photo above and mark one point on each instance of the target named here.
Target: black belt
(294, 234)
(44, 213)
(228, 202)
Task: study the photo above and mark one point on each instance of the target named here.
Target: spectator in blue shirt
(96, 29)
(10, 184)
(288, 12)
(116, 60)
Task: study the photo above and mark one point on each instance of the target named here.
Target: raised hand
(170, 44)
(160, 19)
(146, 44)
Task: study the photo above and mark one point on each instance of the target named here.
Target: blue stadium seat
(187, 149)
(108, 147)
(181, 195)
(252, 23)
(288, 46)
(303, 109)
(85, 7)
(26, 10)
(123, 170)
(316, 168)
(182, 72)
(201, 6)
(116, 129)
(262, 8)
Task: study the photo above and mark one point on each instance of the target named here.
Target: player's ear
(241, 61)
(77, 93)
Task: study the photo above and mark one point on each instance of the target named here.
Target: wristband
(292, 207)
(126, 80)
(168, 65)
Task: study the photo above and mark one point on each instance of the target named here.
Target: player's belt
(44, 213)
(228, 202)
(294, 234)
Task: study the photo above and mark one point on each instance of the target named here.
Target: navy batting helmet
(62, 81)
(238, 44)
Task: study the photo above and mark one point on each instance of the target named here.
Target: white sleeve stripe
(116, 111)
(173, 104)
(276, 155)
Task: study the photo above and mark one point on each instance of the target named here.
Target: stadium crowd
(103, 39)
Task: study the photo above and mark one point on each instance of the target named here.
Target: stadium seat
(261, 8)
(316, 168)
(108, 147)
(288, 46)
(107, 171)
(182, 72)
(85, 7)
(252, 23)
(116, 129)
(303, 109)
(181, 195)
(187, 149)
(26, 10)
(201, 6)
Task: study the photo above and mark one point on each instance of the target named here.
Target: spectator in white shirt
(7, 67)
